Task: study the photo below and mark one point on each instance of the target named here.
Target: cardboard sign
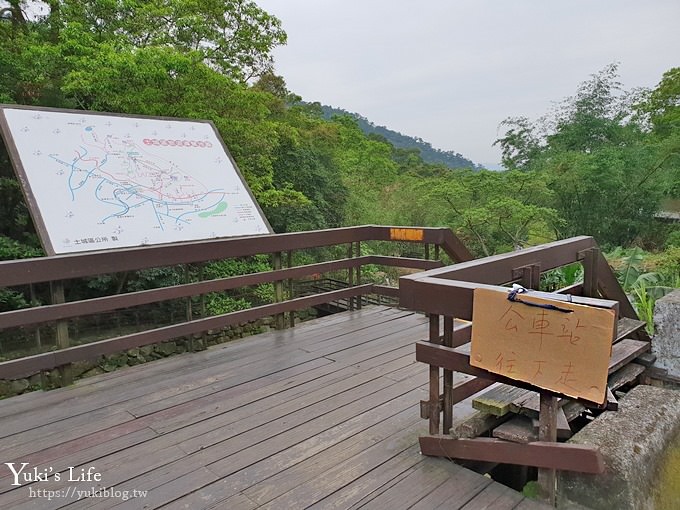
(567, 353)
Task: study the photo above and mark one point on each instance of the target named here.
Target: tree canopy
(603, 155)
(598, 164)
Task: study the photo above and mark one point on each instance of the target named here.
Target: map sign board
(564, 347)
(96, 181)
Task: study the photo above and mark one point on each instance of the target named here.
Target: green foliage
(561, 277)
(599, 160)
(646, 277)
(228, 301)
(491, 212)
(531, 490)
(598, 164)
(663, 104)
(154, 278)
(668, 262)
(218, 304)
(235, 37)
(12, 250)
(410, 145)
(170, 58)
(367, 169)
(304, 162)
(673, 239)
(236, 267)
(12, 300)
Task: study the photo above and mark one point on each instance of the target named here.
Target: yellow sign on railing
(406, 234)
(564, 349)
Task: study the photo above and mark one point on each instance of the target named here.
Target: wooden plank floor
(321, 416)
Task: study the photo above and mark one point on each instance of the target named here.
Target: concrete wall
(666, 341)
(635, 442)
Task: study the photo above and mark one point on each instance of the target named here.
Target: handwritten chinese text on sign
(567, 353)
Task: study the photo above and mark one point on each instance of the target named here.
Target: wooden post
(66, 372)
(434, 379)
(547, 431)
(188, 306)
(427, 251)
(590, 276)
(358, 254)
(279, 320)
(436, 252)
(531, 276)
(34, 302)
(448, 377)
(204, 334)
(350, 274)
(38, 339)
(289, 264)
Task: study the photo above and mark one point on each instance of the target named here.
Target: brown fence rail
(59, 269)
(447, 293)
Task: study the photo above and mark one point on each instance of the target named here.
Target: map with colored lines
(104, 181)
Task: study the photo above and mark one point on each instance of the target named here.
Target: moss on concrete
(667, 493)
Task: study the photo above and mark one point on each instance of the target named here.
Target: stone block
(18, 386)
(166, 348)
(634, 442)
(666, 341)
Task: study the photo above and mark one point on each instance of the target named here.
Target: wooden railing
(448, 293)
(58, 270)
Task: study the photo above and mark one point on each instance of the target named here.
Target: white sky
(449, 71)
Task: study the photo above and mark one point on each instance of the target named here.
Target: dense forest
(599, 164)
(428, 153)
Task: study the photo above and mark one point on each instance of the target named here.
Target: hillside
(427, 152)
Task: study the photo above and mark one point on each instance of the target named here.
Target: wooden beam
(475, 425)
(627, 327)
(498, 400)
(32, 364)
(468, 388)
(434, 379)
(612, 401)
(590, 259)
(560, 456)
(63, 339)
(453, 359)
(519, 429)
(610, 287)
(448, 377)
(547, 433)
(625, 351)
(625, 375)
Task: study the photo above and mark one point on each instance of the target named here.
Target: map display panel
(97, 182)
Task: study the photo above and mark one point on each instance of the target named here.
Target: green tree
(596, 155)
(662, 109)
(367, 170)
(491, 212)
(235, 37)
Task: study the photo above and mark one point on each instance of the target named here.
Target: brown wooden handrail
(48, 313)
(31, 364)
(64, 267)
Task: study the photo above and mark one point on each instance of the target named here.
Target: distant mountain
(427, 152)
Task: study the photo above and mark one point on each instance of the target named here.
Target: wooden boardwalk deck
(324, 415)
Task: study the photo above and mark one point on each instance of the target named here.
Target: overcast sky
(449, 71)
